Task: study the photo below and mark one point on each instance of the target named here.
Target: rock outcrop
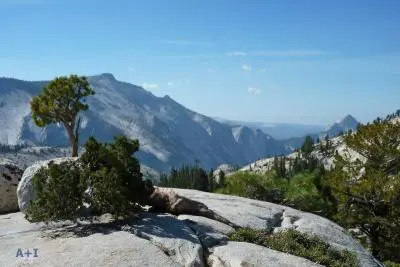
(10, 175)
(272, 218)
(211, 233)
(154, 239)
(190, 228)
(246, 254)
(25, 190)
(100, 246)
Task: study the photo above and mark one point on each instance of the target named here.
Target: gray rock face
(210, 232)
(25, 190)
(172, 235)
(113, 248)
(146, 240)
(272, 217)
(10, 175)
(239, 254)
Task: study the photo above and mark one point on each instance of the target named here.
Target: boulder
(25, 190)
(210, 232)
(226, 168)
(10, 175)
(272, 217)
(147, 239)
(107, 248)
(239, 254)
(173, 236)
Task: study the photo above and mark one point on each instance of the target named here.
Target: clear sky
(302, 61)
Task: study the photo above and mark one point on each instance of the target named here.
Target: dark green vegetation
(291, 182)
(391, 264)
(188, 176)
(368, 192)
(302, 191)
(107, 177)
(298, 244)
(60, 102)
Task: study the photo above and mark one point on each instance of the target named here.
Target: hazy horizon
(307, 63)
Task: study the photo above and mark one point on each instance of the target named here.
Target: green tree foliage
(113, 176)
(307, 147)
(326, 148)
(325, 191)
(211, 180)
(187, 176)
(58, 193)
(303, 193)
(368, 192)
(106, 177)
(301, 188)
(60, 102)
(256, 186)
(222, 179)
(280, 167)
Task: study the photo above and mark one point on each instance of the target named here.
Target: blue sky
(299, 61)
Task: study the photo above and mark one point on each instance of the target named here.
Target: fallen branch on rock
(167, 200)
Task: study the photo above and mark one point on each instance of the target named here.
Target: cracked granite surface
(151, 239)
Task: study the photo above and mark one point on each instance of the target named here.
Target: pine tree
(368, 193)
(61, 101)
(211, 181)
(307, 147)
(221, 178)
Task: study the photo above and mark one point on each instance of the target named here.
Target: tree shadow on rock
(145, 225)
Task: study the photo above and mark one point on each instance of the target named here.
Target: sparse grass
(298, 244)
(392, 264)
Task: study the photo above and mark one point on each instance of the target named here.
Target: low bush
(298, 244)
(58, 193)
(106, 177)
(113, 177)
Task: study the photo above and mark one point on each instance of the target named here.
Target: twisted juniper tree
(60, 102)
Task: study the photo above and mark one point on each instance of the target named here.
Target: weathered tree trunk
(166, 200)
(72, 139)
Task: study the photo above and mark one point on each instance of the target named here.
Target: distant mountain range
(279, 131)
(344, 125)
(292, 136)
(169, 133)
